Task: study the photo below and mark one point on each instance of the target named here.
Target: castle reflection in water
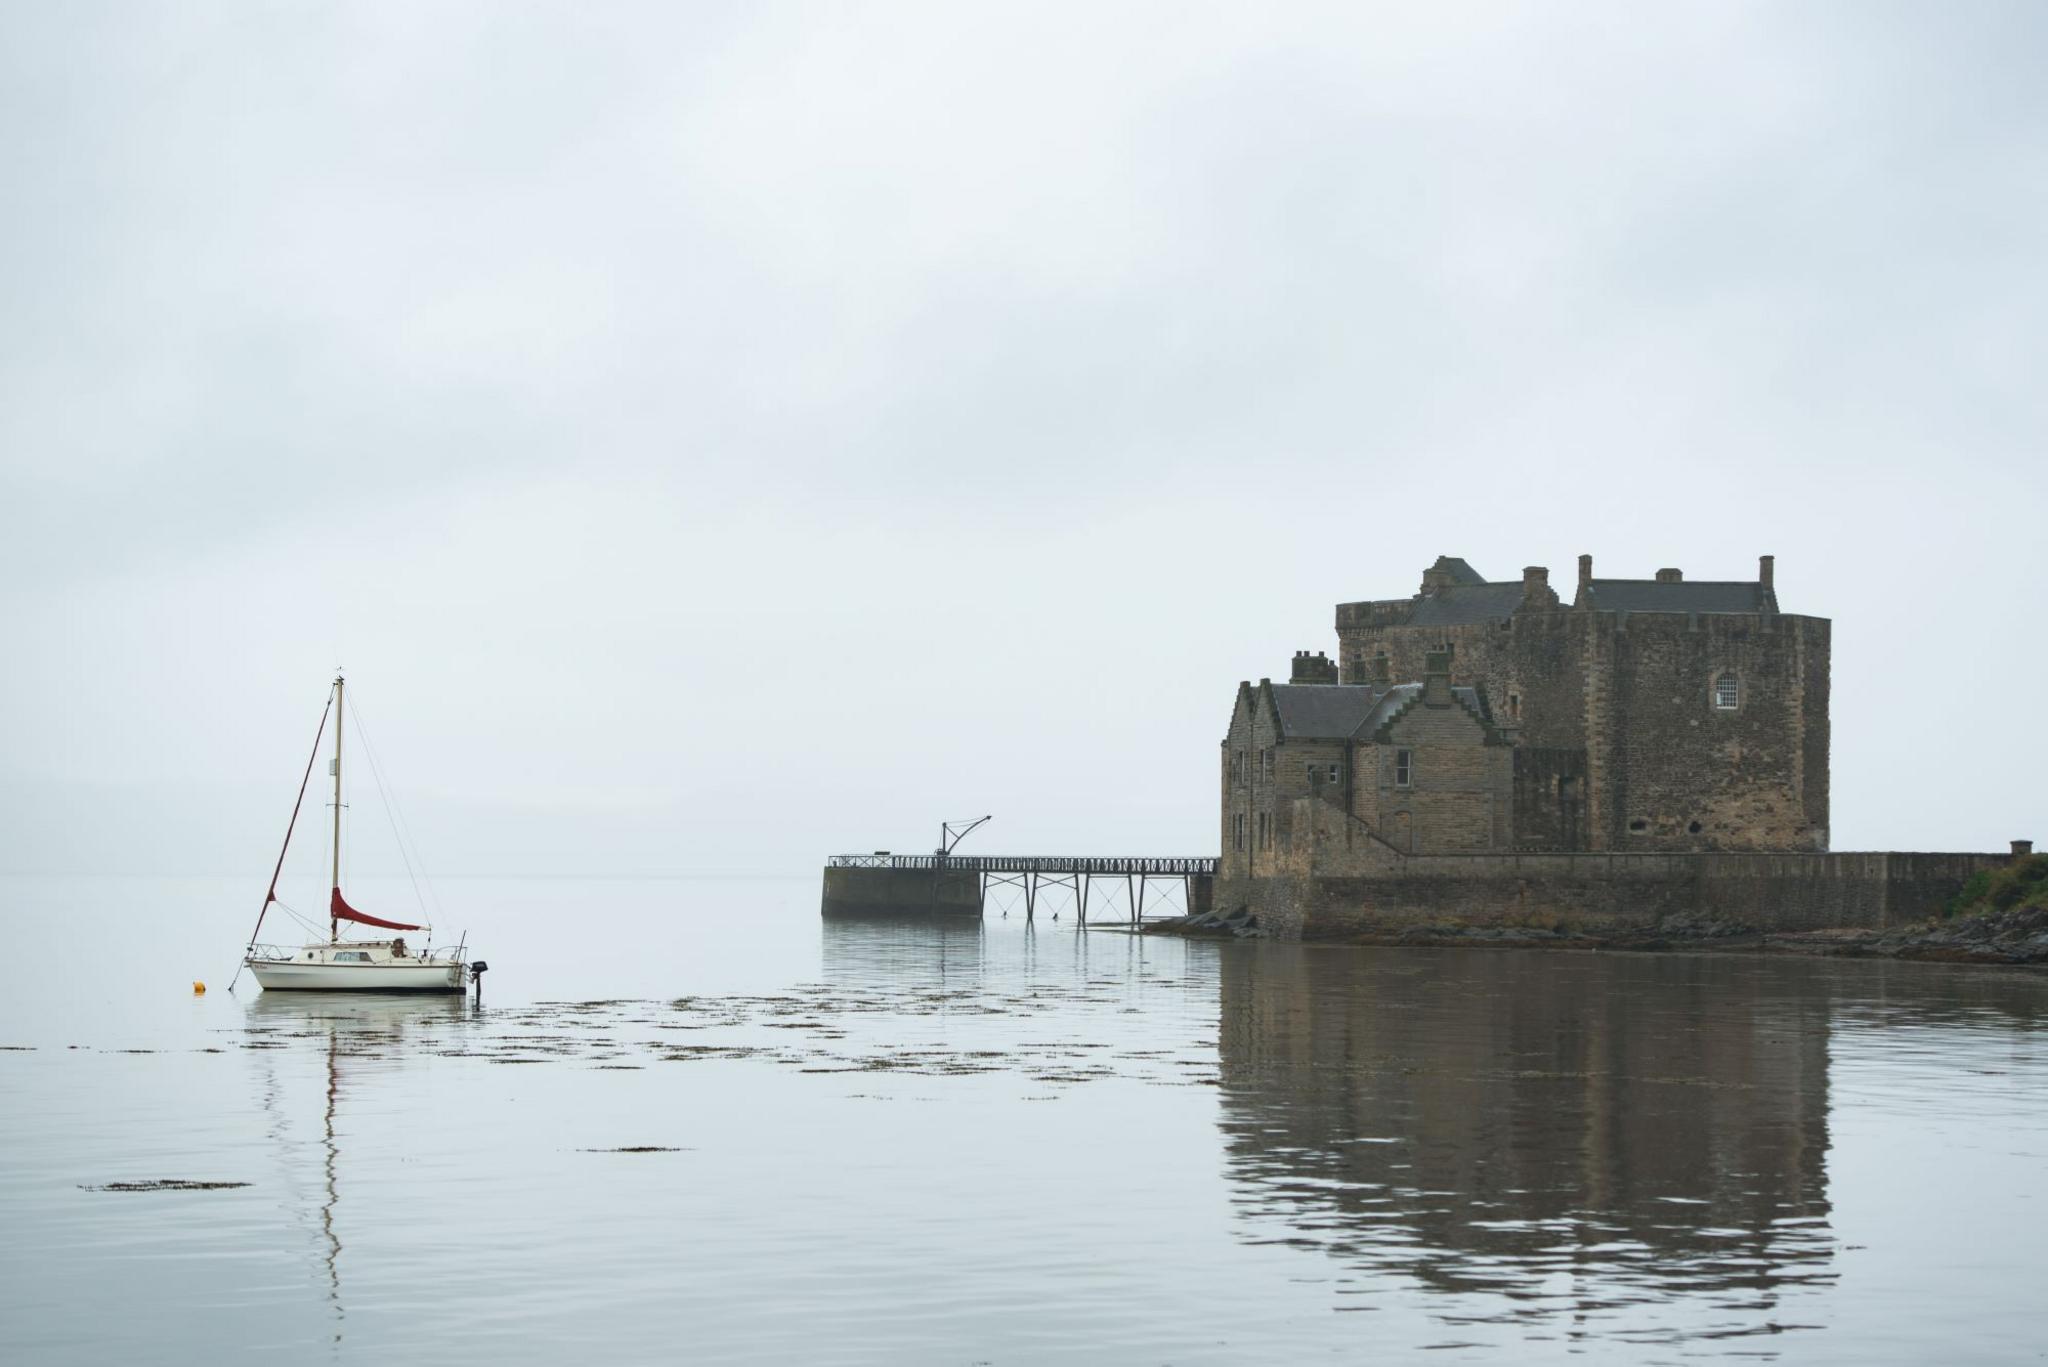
(1608, 1130)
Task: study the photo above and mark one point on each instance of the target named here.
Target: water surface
(691, 1121)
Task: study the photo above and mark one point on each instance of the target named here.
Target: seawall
(1608, 892)
(890, 891)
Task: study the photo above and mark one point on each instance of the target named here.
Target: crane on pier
(951, 833)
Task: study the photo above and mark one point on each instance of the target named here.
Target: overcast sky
(714, 436)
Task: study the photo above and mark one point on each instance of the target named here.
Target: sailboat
(339, 965)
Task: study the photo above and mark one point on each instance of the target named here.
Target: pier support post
(882, 884)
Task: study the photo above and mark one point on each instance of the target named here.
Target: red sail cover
(342, 911)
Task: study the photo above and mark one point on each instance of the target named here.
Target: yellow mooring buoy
(198, 989)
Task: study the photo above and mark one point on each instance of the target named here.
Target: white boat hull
(285, 975)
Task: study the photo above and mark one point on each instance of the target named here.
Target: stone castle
(1655, 747)
(1649, 714)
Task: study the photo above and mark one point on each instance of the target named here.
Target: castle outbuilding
(1420, 766)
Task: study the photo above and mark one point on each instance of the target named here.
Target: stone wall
(1281, 903)
(1530, 667)
(1460, 782)
(1683, 773)
(1250, 770)
(1263, 777)
(1596, 892)
(871, 892)
(1633, 691)
(1549, 798)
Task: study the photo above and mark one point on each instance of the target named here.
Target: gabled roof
(1321, 711)
(1467, 603)
(1344, 711)
(1698, 595)
(1401, 697)
(1390, 705)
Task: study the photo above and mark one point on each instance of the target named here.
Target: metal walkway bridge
(1174, 883)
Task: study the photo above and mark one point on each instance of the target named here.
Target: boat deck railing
(446, 954)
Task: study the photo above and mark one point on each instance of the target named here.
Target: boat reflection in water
(355, 1032)
(1595, 1145)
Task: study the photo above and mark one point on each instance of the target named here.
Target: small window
(1514, 707)
(1266, 764)
(1404, 768)
(1237, 831)
(351, 956)
(1333, 773)
(1727, 692)
(1693, 828)
(1639, 825)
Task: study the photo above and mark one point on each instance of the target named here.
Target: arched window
(1727, 691)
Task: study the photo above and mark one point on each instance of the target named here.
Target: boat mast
(334, 925)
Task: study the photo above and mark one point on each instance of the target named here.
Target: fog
(715, 436)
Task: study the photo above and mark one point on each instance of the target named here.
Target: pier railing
(1176, 883)
(1168, 866)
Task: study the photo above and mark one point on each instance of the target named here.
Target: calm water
(915, 1143)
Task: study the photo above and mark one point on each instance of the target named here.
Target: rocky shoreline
(2015, 937)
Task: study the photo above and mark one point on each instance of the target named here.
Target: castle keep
(1484, 749)
(1648, 714)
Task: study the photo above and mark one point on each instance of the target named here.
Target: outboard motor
(476, 975)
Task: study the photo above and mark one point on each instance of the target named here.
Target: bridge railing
(1159, 865)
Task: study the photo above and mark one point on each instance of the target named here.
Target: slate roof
(1321, 711)
(1390, 702)
(1698, 595)
(1461, 573)
(1341, 711)
(1397, 698)
(1467, 603)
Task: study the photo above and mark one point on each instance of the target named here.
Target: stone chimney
(2020, 848)
(1764, 565)
(1313, 669)
(1585, 574)
(1671, 576)
(1436, 679)
(1382, 672)
(1536, 589)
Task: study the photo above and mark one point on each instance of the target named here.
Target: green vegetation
(2022, 883)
